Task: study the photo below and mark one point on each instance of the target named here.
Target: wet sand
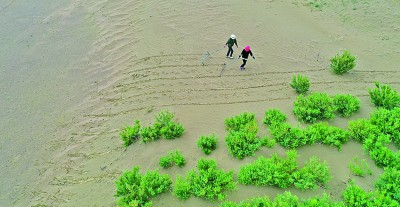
(92, 67)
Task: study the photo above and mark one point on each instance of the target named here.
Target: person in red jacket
(245, 55)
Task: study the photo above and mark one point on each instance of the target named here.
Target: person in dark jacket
(231, 41)
(245, 55)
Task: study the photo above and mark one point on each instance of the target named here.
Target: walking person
(245, 55)
(231, 41)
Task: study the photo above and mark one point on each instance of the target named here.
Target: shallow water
(92, 67)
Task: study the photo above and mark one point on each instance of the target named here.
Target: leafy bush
(329, 135)
(343, 63)
(270, 171)
(207, 143)
(149, 134)
(300, 83)
(376, 145)
(289, 137)
(313, 107)
(361, 129)
(314, 172)
(274, 117)
(389, 183)
(359, 167)
(346, 104)
(384, 96)
(388, 122)
(130, 133)
(165, 162)
(242, 137)
(178, 158)
(209, 182)
(266, 141)
(134, 189)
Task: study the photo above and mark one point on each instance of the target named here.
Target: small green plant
(288, 136)
(343, 63)
(149, 134)
(359, 167)
(162, 127)
(329, 135)
(389, 183)
(239, 122)
(207, 143)
(134, 189)
(178, 158)
(165, 162)
(376, 145)
(208, 182)
(268, 142)
(388, 122)
(274, 117)
(130, 133)
(312, 174)
(300, 83)
(361, 129)
(346, 104)
(315, 106)
(384, 96)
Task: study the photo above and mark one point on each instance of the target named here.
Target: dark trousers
(230, 51)
(244, 63)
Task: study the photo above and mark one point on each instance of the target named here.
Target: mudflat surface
(74, 73)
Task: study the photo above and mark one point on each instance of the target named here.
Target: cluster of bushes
(242, 140)
(135, 189)
(384, 96)
(163, 127)
(287, 200)
(317, 106)
(284, 172)
(293, 137)
(355, 196)
(207, 143)
(208, 182)
(173, 157)
(389, 183)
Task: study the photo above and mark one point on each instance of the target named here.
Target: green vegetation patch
(384, 96)
(163, 127)
(313, 107)
(359, 167)
(346, 104)
(312, 174)
(242, 140)
(173, 157)
(389, 183)
(207, 143)
(130, 134)
(343, 63)
(300, 83)
(208, 182)
(134, 189)
(388, 122)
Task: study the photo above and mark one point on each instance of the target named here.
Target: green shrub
(361, 129)
(388, 122)
(346, 104)
(207, 143)
(300, 83)
(178, 158)
(313, 107)
(384, 96)
(270, 171)
(343, 63)
(149, 134)
(165, 162)
(314, 172)
(266, 141)
(130, 133)
(134, 189)
(209, 182)
(289, 137)
(389, 183)
(359, 167)
(376, 145)
(274, 117)
(239, 122)
(328, 135)
(162, 127)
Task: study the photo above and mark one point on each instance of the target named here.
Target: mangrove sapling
(165, 162)
(149, 134)
(208, 182)
(274, 117)
(346, 104)
(388, 122)
(182, 188)
(313, 107)
(359, 167)
(389, 183)
(207, 143)
(242, 143)
(267, 142)
(343, 63)
(376, 145)
(312, 174)
(270, 171)
(361, 129)
(134, 189)
(241, 121)
(130, 134)
(171, 130)
(300, 83)
(384, 96)
(288, 136)
(328, 135)
(178, 158)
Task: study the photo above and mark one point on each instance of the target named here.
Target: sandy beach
(74, 73)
